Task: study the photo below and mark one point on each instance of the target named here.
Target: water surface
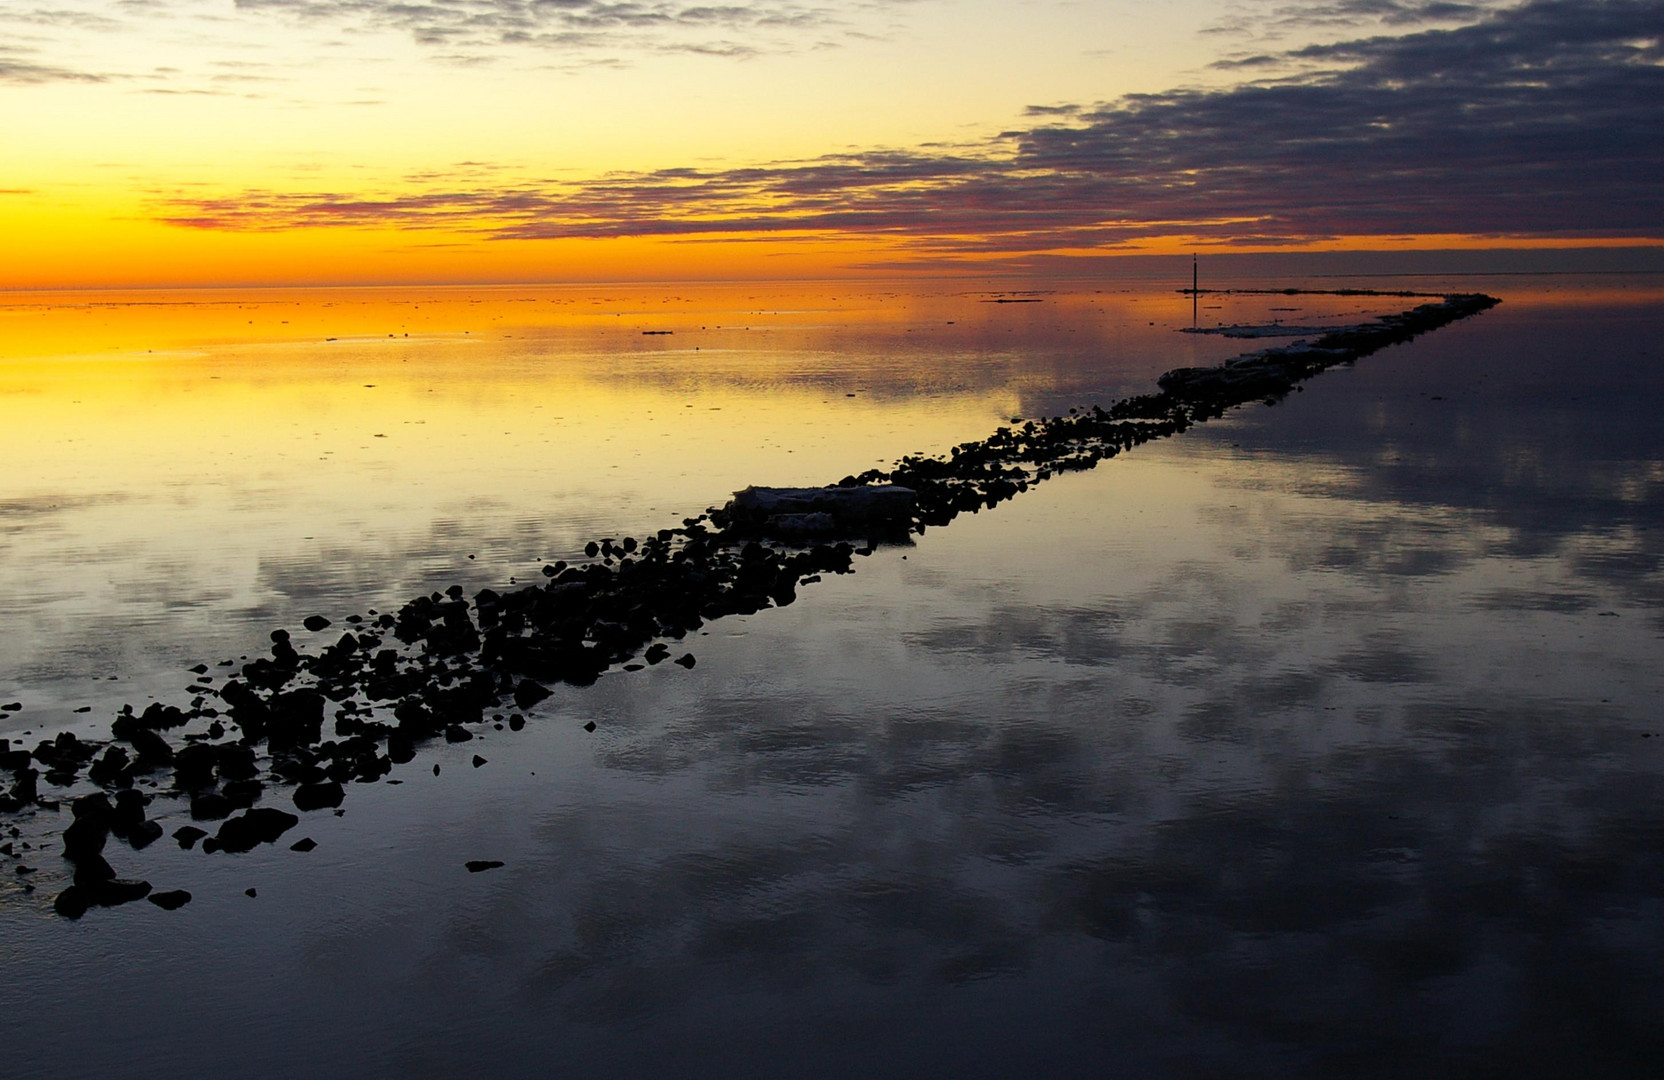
(1324, 739)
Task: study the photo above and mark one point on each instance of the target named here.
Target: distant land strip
(442, 667)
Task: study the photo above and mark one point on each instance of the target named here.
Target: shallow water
(1310, 741)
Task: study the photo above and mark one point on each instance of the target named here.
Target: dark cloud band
(1543, 119)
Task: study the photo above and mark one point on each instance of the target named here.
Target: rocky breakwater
(299, 726)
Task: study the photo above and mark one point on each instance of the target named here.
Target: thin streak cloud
(714, 29)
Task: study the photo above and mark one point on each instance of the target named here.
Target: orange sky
(333, 142)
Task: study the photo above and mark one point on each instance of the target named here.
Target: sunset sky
(205, 142)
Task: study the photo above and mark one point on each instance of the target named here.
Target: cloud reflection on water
(1262, 750)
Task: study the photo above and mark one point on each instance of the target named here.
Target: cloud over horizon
(1542, 119)
(735, 28)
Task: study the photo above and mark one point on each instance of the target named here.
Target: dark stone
(589, 725)
(118, 891)
(188, 835)
(95, 807)
(319, 796)
(91, 869)
(210, 806)
(171, 901)
(478, 761)
(457, 733)
(111, 769)
(305, 844)
(85, 836)
(516, 722)
(262, 825)
(237, 763)
(193, 766)
(143, 835)
(315, 623)
(153, 750)
(129, 812)
(242, 793)
(529, 693)
(476, 865)
(72, 903)
(251, 892)
(687, 661)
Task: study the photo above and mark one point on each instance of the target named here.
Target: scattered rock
(476, 865)
(322, 796)
(304, 844)
(210, 806)
(443, 662)
(171, 901)
(188, 835)
(72, 903)
(262, 825)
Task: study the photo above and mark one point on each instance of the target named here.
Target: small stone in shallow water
(71, 903)
(529, 693)
(305, 844)
(210, 807)
(262, 825)
(478, 761)
(143, 835)
(687, 661)
(320, 796)
(251, 892)
(170, 901)
(457, 733)
(315, 623)
(118, 891)
(589, 726)
(188, 835)
(476, 865)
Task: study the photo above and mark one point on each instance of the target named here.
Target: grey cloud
(1544, 119)
(562, 24)
(15, 67)
(1282, 19)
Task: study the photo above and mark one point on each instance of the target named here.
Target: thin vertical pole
(1195, 292)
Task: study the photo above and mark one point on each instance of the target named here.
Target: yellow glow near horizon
(116, 118)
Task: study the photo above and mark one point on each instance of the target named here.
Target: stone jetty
(299, 726)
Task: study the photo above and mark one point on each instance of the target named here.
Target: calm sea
(1325, 739)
